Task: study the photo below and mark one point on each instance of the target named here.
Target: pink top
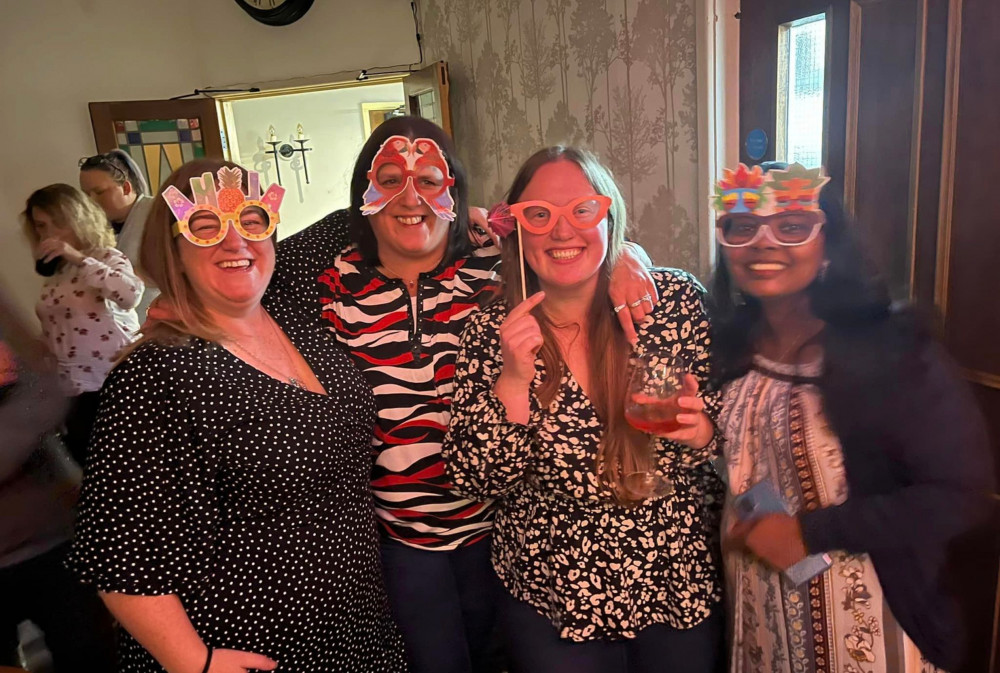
(88, 315)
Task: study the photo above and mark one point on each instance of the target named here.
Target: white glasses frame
(764, 229)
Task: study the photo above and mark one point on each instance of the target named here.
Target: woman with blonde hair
(225, 517)
(87, 306)
(604, 538)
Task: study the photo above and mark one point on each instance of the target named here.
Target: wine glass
(651, 407)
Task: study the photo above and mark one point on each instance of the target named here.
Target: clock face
(265, 4)
(275, 12)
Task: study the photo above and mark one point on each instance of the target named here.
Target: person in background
(396, 277)
(855, 422)
(88, 300)
(606, 537)
(115, 183)
(38, 489)
(226, 517)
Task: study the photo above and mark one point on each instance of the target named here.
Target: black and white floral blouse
(562, 544)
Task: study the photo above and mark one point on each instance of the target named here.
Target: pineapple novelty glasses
(206, 221)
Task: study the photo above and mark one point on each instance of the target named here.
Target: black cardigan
(919, 471)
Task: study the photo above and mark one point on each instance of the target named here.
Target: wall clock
(275, 12)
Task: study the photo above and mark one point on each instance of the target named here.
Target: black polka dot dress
(246, 497)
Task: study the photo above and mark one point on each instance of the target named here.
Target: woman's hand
(520, 340)
(774, 538)
(696, 428)
(51, 248)
(235, 661)
(632, 290)
(480, 230)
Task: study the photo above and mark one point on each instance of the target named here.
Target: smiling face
(566, 257)
(229, 278)
(766, 270)
(407, 228)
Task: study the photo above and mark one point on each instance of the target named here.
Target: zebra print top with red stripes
(410, 369)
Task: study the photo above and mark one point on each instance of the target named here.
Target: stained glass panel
(160, 146)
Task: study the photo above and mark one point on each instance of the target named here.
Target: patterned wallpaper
(614, 76)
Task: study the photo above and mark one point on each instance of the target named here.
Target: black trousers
(534, 646)
(445, 605)
(79, 423)
(78, 629)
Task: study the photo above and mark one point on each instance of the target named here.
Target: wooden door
(159, 134)
(910, 131)
(967, 273)
(871, 106)
(427, 94)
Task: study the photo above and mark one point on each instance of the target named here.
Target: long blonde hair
(623, 450)
(182, 314)
(71, 208)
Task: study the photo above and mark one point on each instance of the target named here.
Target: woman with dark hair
(395, 277)
(87, 306)
(114, 181)
(225, 517)
(849, 437)
(605, 538)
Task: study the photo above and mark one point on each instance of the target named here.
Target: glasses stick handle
(520, 256)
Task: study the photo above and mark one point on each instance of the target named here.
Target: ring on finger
(647, 297)
(636, 303)
(619, 308)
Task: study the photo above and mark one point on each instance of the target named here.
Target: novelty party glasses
(789, 228)
(540, 217)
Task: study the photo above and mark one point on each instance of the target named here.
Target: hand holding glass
(651, 406)
(656, 384)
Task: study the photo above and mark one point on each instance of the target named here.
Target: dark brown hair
(120, 166)
(412, 127)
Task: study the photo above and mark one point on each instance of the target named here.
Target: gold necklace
(267, 365)
(798, 343)
(410, 284)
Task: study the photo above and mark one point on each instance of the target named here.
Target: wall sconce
(282, 150)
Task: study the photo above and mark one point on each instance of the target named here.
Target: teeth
(766, 267)
(565, 254)
(237, 264)
(417, 219)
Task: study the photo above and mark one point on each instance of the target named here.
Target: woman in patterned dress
(395, 278)
(600, 572)
(87, 306)
(854, 418)
(226, 517)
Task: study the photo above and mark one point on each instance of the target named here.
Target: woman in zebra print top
(397, 287)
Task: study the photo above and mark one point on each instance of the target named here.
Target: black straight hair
(459, 244)
(848, 296)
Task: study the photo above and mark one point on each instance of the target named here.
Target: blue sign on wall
(756, 144)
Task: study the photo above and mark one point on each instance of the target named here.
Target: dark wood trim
(948, 149)
(104, 114)
(928, 183)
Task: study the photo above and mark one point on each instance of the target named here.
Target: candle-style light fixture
(283, 150)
